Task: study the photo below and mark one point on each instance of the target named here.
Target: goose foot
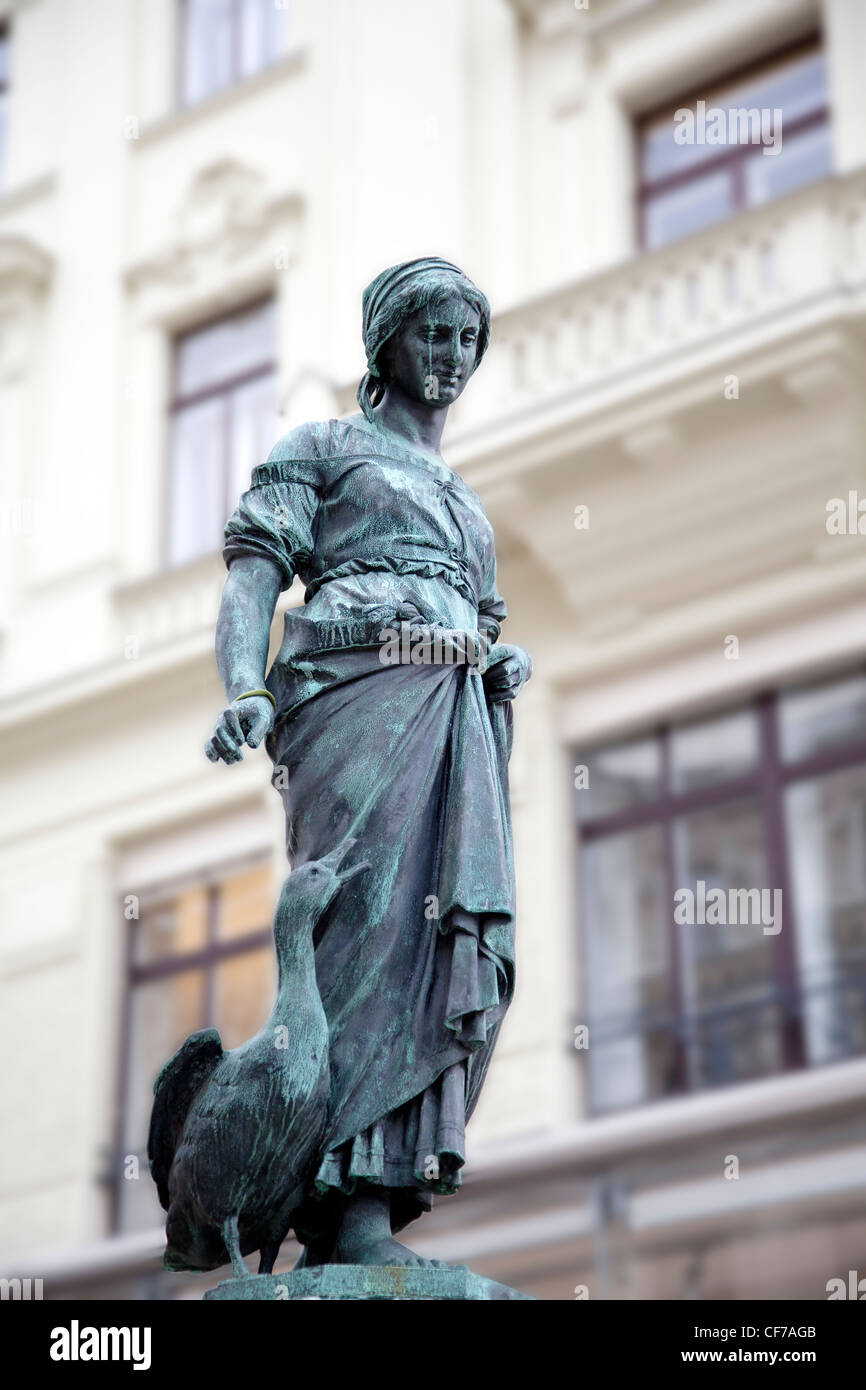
(267, 1256)
(232, 1244)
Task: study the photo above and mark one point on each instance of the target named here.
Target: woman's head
(426, 327)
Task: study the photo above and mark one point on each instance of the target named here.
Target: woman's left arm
(506, 668)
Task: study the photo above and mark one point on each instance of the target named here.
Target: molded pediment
(25, 273)
(220, 225)
(223, 197)
(23, 266)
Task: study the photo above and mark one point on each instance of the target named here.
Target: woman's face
(432, 355)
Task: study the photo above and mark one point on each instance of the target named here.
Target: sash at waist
(450, 570)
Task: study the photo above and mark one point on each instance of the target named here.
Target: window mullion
(228, 457)
(124, 1077)
(785, 966)
(210, 992)
(677, 991)
(237, 64)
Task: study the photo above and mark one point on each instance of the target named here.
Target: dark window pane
(216, 354)
(821, 717)
(259, 35)
(245, 989)
(172, 927)
(198, 504)
(798, 89)
(729, 1019)
(254, 426)
(246, 902)
(167, 1009)
(4, 111)
(164, 1013)
(226, 40)
(827, 827)
(619, 776)
(224, 430)
(733, 1023)
(663, 151)
(207, 47)
(803, 158)
(626, 920)
(688, 208)
(734, 123)
(4, 99)
(715, 750)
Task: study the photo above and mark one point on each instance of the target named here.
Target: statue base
(395, 1283)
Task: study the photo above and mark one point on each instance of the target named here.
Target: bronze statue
(388, 720)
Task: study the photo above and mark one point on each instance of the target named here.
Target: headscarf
(395, 294)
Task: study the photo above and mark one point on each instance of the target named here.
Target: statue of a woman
(372, 739)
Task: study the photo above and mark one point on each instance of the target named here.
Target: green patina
(392, 987)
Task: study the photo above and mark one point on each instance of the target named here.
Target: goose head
(311, 888)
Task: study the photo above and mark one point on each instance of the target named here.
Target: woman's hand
(508, 668)
(244, 721)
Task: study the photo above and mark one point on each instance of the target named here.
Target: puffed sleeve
(491, 608)
(276, 517)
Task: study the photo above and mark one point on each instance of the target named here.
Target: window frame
(236, 77)
(5, 88)
(768, 783)
(224, 388)
(727, 155)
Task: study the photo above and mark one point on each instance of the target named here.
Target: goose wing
(174, 1091)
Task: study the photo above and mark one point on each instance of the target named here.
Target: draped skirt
(414, 957)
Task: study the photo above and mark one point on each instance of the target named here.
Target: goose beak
(350, 873)
(335, 859)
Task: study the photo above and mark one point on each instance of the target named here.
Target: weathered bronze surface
(390, 742)
(394, 1283)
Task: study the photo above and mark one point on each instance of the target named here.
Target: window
(224, 41)
(200, 954)
(768, 797)
(4, 98)
(224, 421)
(733, 146)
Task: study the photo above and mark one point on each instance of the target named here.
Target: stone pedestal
(341, 1282)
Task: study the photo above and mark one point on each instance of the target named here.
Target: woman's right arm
(242, 635)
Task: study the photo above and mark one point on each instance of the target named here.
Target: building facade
(665, 203)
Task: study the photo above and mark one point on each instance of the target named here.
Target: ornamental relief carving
(229, 229)
(25, 274)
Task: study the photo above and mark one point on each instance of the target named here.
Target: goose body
(234, 1133)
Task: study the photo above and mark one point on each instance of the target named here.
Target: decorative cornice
(271, 76)
(19, 195)
(25, 273)
(9, 7)
(223, 220)
(23, 266)
(550, 16)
